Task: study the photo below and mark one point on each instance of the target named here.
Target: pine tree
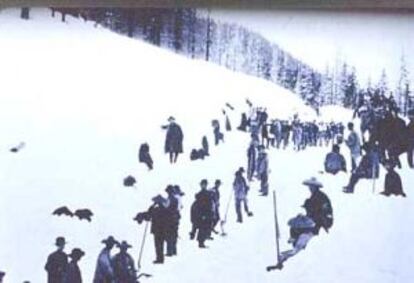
(326, 92)
(351, 89)
(403, 88)
(383, 83)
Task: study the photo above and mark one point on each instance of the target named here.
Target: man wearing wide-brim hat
(104, 271)
(124, 264)
(57, 262)
(173, 140)
(318, 206)
(73, 273)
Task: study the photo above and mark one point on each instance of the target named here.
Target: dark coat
(318, 207)
(159, 218)
(202, 214)
(124, 268)
(73, 273)
(174, 139)
(393, 184)
(335, 162)
(56, 266)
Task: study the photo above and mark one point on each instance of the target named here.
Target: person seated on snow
(318, 207)
(393, 184)
(368, 168)
(302, 230)
(335, 161)
(145, 157)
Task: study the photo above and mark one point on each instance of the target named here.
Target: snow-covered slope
(369, 41)
(83, 99)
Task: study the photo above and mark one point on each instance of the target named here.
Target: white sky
(368, 41)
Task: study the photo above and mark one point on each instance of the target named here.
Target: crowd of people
(164, 214)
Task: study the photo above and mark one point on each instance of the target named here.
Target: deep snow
(83, 99)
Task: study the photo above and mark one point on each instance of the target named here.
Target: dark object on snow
(144, 156)
(84, 214)
(249, 102)
(228, 124)
(129, 181)
(18, 147)
(197, 154)
(204, 145)
(244, 123)
(63, 210)
(24, 13)
(2, 273)
(393, 184)
(229, 106)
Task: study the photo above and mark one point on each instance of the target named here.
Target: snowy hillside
(369, 41)
(83, 99)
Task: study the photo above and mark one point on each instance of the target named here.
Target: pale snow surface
(83, 99)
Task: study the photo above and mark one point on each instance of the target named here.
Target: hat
(312, 182)
(158, 199)
(170, 189)
(217, 182)
(77, 253)
(204, 181)
(110, 240)
(390, 163)
(177, 190)
(60, 241)
(2, 273)
(124, 245)
(241, 170)
(171, 118)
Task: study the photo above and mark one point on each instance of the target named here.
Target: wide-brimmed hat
(60, 241)
(171, 119)
(170, 189)
(312, 182)
(178, 191)
(124, 245)
(77, 253)
(110, 240)
(204, 181)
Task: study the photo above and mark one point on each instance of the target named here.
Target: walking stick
(277, 236)
(222, 222)
(141, 251)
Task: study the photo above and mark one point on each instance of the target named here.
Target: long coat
(104, 272)
(240, 187)
(124, 268)
(354, 144)
(73, 273)
(56, 266)
(174, 139)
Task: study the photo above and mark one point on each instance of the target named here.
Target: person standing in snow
(318, 206)
(173, 140)
(202, 214)
(104, 272)
(263, 171)
(57, 262)
(173, 222)
(241, 189)
(218, 136)
(123, 262)
(73, 273)
(251, 159)
(158, 215)
(354, 146)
